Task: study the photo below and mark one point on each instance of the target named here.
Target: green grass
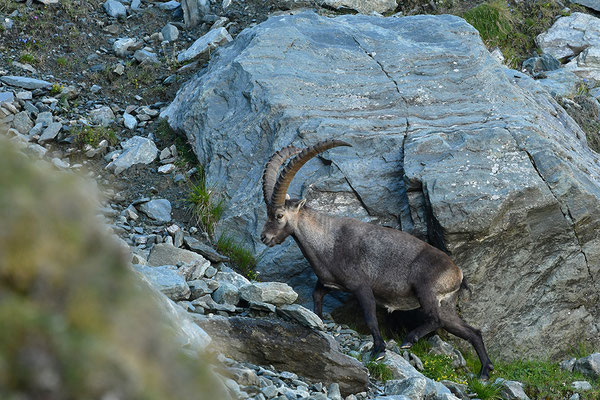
(241, 257)
(27, 58)
(380, 371)
(541, 379)
(205, 205)
(513, 27)
(93, 135)
(62, 61)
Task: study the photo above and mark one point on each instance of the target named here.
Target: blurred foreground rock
(76, 322)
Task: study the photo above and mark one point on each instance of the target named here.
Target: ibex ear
(300, 204)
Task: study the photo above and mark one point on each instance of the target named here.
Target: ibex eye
(279, 216)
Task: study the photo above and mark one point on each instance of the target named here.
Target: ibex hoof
(406, 345)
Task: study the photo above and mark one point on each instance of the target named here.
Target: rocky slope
(500, 177)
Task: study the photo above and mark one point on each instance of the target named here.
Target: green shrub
(93, 135)
(242, 258)
(62, 61)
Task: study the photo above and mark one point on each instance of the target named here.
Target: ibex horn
(272, 169)
(290, 170)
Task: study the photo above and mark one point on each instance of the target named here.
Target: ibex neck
(313, 234)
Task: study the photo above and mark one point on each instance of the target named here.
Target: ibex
(379, 265)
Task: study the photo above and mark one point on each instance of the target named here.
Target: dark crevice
(364, 205)
(407, 219)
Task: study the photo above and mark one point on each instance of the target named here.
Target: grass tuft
(241, 257)
(485, 390)
(205, 205)
(379, 371)
(27, 58)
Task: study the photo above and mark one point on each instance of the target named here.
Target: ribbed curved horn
(288, 173)
(272, 169)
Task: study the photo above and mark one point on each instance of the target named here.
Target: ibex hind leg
(456, 326)
(431, 309)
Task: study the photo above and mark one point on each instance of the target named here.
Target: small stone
(137, 150)
(158, 210)
(226, 294)
(6, 96)
(24, 82)
(412, 387)
(589, 366)
(136, 4)
(50, 132)
(124, 47)
(165, 153)
(205, 250)
(22, 123)
(60, 163)
(210, 272)
(512, 390)
(129, 121)
(26, 95)
(166, 279)
(119, 69)
(102, 115)
(276, 293)
(582, 385)
(95, 89)
(302, 315)
(169, 5)
(233, 278)
(166, 169)
(178, 178)
(131, 213)
(115, 9)
(199, 288)
(170, 33)
(208, 42)
(44, 118)
(568, 365)
(146, 57)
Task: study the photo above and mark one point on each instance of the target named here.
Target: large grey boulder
(570, 35)
(288, 347)
(447, 144)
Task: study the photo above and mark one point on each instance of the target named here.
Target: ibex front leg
(365, 298)
(318, 293)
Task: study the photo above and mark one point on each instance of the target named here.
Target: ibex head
(282, 213)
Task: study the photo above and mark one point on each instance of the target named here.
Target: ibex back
(378, 265)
